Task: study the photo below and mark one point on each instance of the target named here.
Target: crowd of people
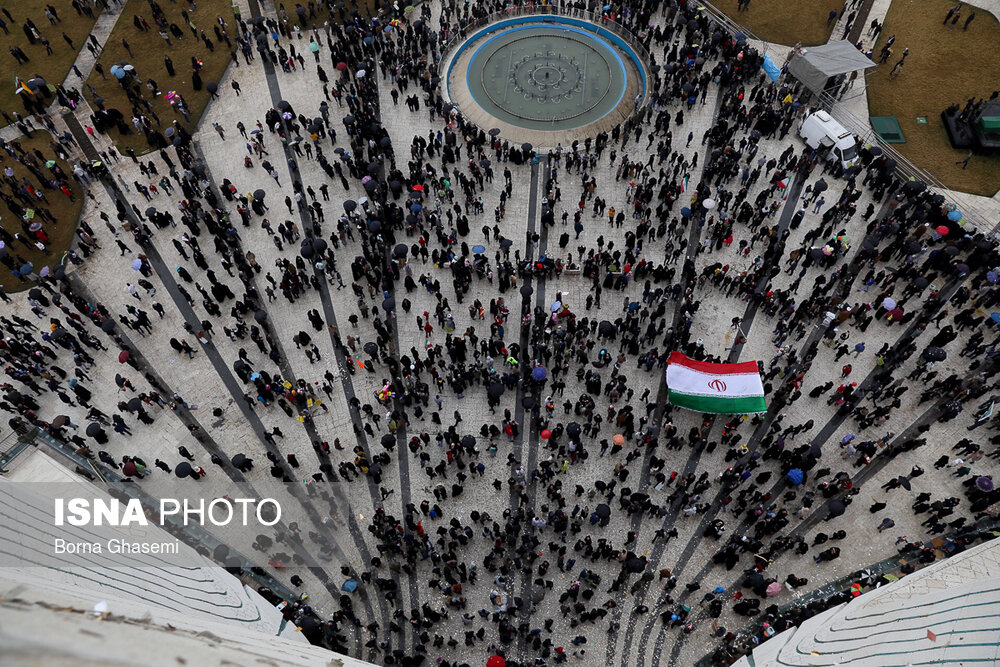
(536, 521)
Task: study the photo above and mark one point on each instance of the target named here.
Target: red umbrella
(129, 469)
(341, 66)
(123, 356)
(896, 314)
(418, 188)
(942, 230)
(496, 661)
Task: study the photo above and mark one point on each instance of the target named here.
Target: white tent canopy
(814, 65)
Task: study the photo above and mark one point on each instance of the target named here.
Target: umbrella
(573, 429)
(468, 441)
(495, 660)
(888, 303)
(60, 421)
(943, 230)
(123, 356)
(368, 40)
(211, 86)
(836, 509)
(685, 212)
(538, 373)
(361, 73)
(992, 277)
(984, 483)
(260, 316)
(495, 390)
(184, 469)
(350, 586)
(350, 205)
(416, 208)
(949, 207)
(954, 216)
(636, 564)
(921, 282)
(370, 348)
(494, 132)
(400, 250)
(478, 249)
(93, 429)
(529, 402)
(896, 313)
(526, 291)
(795, 476)
(258, 193)
(773, 589)
(526, 147)
(602, 511)
(239, 460)
(605, 328)
(341, 66)
(134, 404)
(388, 440)
(108, 325)
(136, 264)
(283, 105)
(935, 354)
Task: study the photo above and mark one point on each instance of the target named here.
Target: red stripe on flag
(742, 367)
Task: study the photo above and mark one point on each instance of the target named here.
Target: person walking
(965, 161)
(968, 21)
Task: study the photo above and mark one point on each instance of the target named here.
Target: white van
(820, 130)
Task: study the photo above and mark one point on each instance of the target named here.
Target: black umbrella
(211, 86)
(526, 147)
(350, 205)
(605, 328)
(494, 132)
(636, 564)
(93, 429)
(150, 212)
(108, 325)
(184, 469)
(495, 390)
(319, 245)
(935, 354)
(385, 142)
(371, 349)
(258, 194)
(526, 291)
(260, 316)
(388, 303)
(388, 440)
(134, 404)
(239, 460)
(921, 282)
(602, 511)
(34, 292)
(573, 429)
(468, 441)
(836, 509)
(284, 106)
(529, 402)
(400, 250)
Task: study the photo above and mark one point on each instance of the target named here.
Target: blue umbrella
(795, 476)
(27, 269)
(368, 40)
(685, 212)
(955, 216)
(350, 586)
(478, 249)
(538, 373)
(136, 264)
(992, 277)
(416, 208)
(995, 317)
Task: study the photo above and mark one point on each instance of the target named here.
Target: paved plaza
(376, 467)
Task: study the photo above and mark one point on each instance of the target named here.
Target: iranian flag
(715, 388)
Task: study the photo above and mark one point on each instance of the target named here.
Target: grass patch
(945, 66)
(784, 22)
(148, 51)
(65, 211)
(53, 68)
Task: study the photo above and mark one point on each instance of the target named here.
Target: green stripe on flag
(718, 404)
